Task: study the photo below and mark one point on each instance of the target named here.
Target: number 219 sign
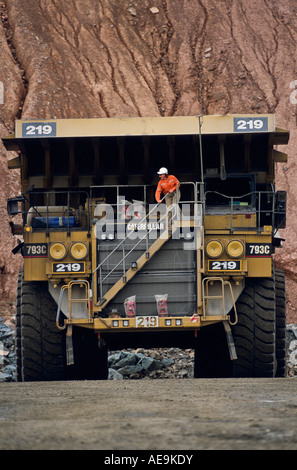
(39, 129)
(250, 124)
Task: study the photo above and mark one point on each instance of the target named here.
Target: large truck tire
(280, 302)
(18, 351)
(40, 345)
(255, 333)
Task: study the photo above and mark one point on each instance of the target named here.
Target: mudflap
(69, 346)
(230, 341)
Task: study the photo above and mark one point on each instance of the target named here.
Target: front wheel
(40, 346)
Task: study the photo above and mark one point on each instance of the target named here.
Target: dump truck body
(120, 270)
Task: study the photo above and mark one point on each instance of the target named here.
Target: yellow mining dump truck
(107, 268)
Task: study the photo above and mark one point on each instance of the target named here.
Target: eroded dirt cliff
(104, 58)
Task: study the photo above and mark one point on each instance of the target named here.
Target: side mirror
(13, 205)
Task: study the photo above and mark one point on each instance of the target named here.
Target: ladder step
(214, 297)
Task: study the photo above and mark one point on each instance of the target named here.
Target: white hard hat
(163, 171)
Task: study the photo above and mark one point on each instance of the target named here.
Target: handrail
(85, 300)
(124, 239)
(47, 213)
(206, 296)
(133, 248)
(139, 222)
(256, 207)
(172, 209)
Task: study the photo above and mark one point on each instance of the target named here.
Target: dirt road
(169, 414)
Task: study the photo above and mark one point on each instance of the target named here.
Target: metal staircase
(148, 253)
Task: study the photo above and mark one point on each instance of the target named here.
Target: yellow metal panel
(259, 267)
(223, 222)
(279, 156)
(38, 268)
(281, 137)
(34, 268)
(225, 124)
(173, 125)
(107, 325)
(14, 163)
(120, 126)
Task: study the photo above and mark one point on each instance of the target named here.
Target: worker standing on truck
(169, 186)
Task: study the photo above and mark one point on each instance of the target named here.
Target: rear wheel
(255, 333)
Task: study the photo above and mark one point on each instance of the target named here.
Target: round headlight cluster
(78, 251)
(215, 248)
(57, 251)
(235, 248)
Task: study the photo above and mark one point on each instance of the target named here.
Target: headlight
(235, 248)
(78, 250)
(57, 251)
(214, 248)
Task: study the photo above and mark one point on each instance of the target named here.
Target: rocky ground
(169, 363)
(151, 364)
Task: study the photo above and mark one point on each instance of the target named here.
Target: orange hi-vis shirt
(166, 185)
